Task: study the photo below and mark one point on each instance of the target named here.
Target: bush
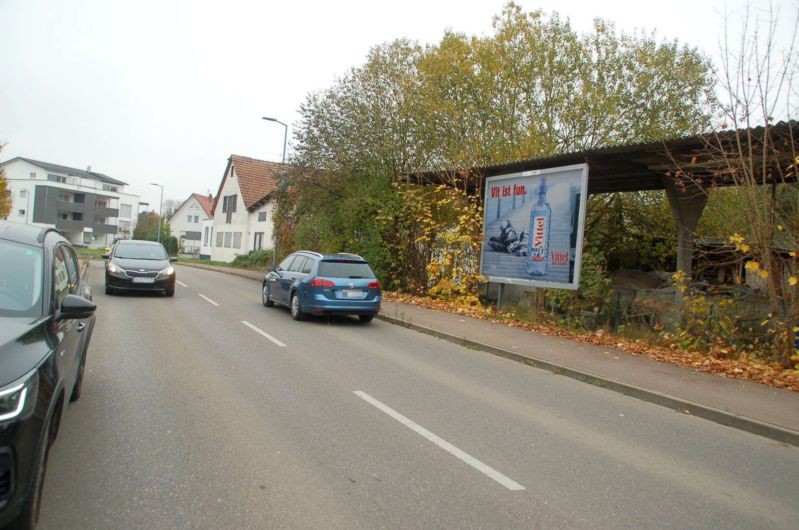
(256, 260)
(171, 245)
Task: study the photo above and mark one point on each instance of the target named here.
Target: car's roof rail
(311, 252)
(351, 255)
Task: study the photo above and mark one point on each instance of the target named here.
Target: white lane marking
(264, 333)
(443, 444)
(207, 299)
(181, 283)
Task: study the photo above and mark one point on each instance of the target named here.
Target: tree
(755, 150)
(534, 88)
(147, 226)
(5, 197)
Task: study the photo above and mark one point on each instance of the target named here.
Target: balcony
(69, 207)
(106, 212)
(104, 228)
(69, 226)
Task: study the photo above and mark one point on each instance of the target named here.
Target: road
(208, 410)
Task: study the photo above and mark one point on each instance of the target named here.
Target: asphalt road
(208, 410)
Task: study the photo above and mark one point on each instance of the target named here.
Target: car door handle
(81, 326)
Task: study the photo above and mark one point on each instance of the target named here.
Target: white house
(186, 224)
(92, 209)
(243, 208)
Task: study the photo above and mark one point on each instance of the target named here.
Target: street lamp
(280, 178)
(160, 209)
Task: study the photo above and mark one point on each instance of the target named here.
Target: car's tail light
(319, 282)
(374, 285)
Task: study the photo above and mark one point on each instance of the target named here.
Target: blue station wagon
(323, 284)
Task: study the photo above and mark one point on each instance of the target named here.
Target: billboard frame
(551, 173)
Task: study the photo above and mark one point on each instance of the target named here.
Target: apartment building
(92, 209)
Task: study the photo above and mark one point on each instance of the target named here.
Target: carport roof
(644, 166)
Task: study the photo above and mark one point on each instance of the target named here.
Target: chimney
(89, 169)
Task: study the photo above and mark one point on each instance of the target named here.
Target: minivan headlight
(169, 271)
(18, 399)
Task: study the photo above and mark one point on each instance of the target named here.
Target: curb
(722, 417)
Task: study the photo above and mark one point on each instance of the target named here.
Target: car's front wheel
(296, 312)
(29, 515)
(265, 299)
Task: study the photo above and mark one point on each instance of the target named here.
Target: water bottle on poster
(538, 242)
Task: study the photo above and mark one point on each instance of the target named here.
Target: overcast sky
(165, 90)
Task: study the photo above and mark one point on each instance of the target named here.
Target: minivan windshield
(345, 269)
(139, 251)
(21, 277)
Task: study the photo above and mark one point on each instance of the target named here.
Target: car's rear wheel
(366, 318)
(265, 296)
(296, 312)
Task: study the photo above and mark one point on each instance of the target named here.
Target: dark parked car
(46, 323)
(134, 265)
(323, 284)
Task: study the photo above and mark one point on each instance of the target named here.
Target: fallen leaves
(715, 363)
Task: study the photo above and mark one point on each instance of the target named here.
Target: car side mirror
(173, 260)
(106, 256)
(74, 306)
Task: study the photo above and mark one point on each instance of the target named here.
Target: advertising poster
(533, 227)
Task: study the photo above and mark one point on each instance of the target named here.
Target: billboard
(533, 227)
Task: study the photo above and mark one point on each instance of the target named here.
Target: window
(66, 197)
(286, 263)
(80, 198)
(219, 239)
(124, 226)
(236, 239)
(193, 206)
(21, 212)
(33, 174)
(228, 239)
(189, 218)
(299, 263)
(23, 194)
(196, 218)
(228, 206)
(108, 187)
(205, 236)
(261, 217)
(77, 216)
(124, 210)
(57, 178)
(60, 277)
(101, 203)
(258, 241)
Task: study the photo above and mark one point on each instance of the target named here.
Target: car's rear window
(21, 277)
(345, 269)
(137, 251)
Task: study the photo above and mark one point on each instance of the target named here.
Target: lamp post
(280, 183)
(160, 209)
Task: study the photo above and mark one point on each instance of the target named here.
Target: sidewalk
(744, 405)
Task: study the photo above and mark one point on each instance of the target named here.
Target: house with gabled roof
(186, 224)
(243, 209)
